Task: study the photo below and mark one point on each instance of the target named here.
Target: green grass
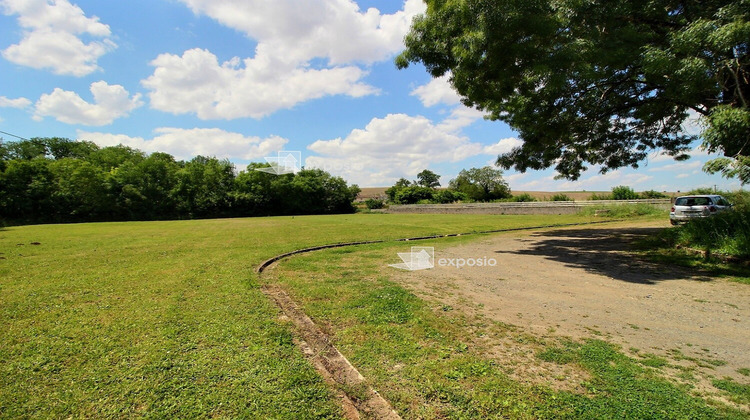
(667, 248)
(166, 319)
(626, 211)
(739, 393)
(430, 362)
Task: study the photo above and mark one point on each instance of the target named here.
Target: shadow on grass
(697, 263)
(605, 251)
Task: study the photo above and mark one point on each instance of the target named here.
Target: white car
(696, 206)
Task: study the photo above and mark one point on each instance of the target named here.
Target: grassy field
(166, 319)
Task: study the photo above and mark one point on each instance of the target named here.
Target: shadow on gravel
(603, 251)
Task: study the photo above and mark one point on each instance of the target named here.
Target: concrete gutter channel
(327, 359)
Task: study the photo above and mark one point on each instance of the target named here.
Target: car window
(702, 201)
(682, 201)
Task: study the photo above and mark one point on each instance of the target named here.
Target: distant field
(166, 319)
(539, 195)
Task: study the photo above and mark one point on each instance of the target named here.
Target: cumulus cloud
(437, 91)
(660, 156)
(693, 124)
(678, 167)
(503, 146)
(336, 30)
(19, 103)
(388, 148)
(52, 37)
(607, 181)
(461, 117)
(197, 83)
(110, 102)
(305, 50)
(185, 144)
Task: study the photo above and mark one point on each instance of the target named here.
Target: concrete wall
(535, 207)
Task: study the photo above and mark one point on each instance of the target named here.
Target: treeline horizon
(58, 180)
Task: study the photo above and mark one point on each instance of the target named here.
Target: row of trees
(482, 185)
(59, 180)
(475, 184)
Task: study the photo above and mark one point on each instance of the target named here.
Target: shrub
(522, 198)
(651, 194)
(374, 203)
(728, 233)
(448, 196)
(740, 199)
(561, 197)
(624, 193)
(701, 191)
(603, 196)
(398, 186)
(413, 194)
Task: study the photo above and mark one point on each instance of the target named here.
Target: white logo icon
(287, 162)
(420, 258)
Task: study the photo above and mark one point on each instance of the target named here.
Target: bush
(727, 233)
(374, 203)
(598, 197)
(651, 194)
(522, 198)
(624, 193)
(448, 196)
(740, 199)
(413, 194)
(561, 197)
(701, 191)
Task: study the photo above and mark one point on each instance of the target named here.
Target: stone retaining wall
(534, 207)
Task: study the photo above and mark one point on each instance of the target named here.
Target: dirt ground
(583, 282)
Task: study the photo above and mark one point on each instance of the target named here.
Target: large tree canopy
(598, 82)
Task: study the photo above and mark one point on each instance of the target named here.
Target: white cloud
(110, 102)
(692, 126)
(304, 51)
(590, 180)
(19, 103)
(461, 117)
(187, 143)
(503, 146)
(607, 181)
(437, 91)
(300, 31)
(683, 166)
(388, 148)
(52, 37)
(197, 83)
(660, 156)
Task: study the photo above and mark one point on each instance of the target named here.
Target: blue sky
(244, 79)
